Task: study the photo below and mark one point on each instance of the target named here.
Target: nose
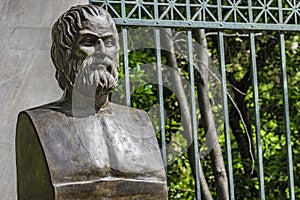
(100, 47)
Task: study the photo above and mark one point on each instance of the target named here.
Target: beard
(95, 78)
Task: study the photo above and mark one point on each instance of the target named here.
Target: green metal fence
(242, 15)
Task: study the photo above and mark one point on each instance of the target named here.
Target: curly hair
(63, 34)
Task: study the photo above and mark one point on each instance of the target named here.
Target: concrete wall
(26, 72)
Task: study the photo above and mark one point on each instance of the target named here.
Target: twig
(233, 34)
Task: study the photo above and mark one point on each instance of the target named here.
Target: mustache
(99, 78)
(97, 75)
(95, 64)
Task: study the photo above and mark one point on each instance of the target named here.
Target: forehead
(99, 25)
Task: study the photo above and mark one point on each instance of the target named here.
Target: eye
(88, 41)
(109, 42)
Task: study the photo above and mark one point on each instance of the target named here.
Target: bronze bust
(83, 146)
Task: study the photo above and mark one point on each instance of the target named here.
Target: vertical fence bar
(193, 113)
(225, 104)
(126, 66)
(161, 97)
(257, 117)
(188, 10)
(256, 106)
(193, 103)
(226, 115)
(125, 56)
(160, 90)
(156, 9)
(286, 117)
(286, 106)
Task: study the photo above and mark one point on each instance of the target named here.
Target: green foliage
(271, 114)
(180, 181)
(238, 62)
(238, 65)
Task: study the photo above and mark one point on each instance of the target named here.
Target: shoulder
(129, 112)
(42, 115)
(49, 109)
(124, 108)
(129, 115)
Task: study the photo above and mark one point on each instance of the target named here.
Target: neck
(84, 105)
(101, 102)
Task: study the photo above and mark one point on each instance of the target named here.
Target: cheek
(112, 52)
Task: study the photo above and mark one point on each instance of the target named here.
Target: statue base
(112, 188)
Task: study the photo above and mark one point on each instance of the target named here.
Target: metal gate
(282, 16)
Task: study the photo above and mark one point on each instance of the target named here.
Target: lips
(104, 64)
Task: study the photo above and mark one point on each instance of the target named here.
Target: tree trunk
(245, 142)
(175, 78)
(218, 165)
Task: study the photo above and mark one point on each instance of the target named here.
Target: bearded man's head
(85, 50)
